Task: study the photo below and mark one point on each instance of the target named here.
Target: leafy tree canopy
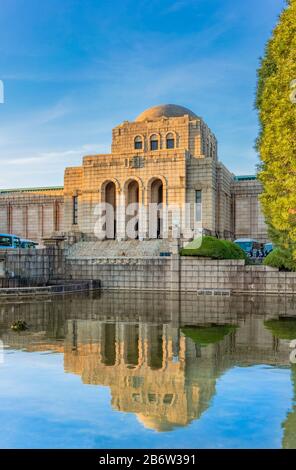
(277, 140)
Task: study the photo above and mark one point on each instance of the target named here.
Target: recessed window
(170, 141)
(136, 397)
(75, 210)
(137, 162)
(138, 143)
(136, 381)
(154, 142)
(198, 206)
(168, 398)
(152, 397)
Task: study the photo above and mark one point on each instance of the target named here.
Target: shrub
(285, 328)
(211, 247)
(278, 258)
(236, 251)
(205, 335)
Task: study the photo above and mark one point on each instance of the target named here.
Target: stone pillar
(145, 216)
(142, 222)
(120, 217)
(141, 213)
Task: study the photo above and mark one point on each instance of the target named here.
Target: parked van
(8, 241)
(248, 244)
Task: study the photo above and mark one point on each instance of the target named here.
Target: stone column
(120, 216)
(145, 216)
(141, 214)
(142, 222)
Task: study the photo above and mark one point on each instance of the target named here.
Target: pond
(148, 370)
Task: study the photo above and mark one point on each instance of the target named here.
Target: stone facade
(248, 218)
(165, 148)
(168, 156)
(34, 214)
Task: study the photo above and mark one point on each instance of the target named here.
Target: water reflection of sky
(42, 406)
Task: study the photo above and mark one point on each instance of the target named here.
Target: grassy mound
(211, 247)
(278, 258)
(205, 335)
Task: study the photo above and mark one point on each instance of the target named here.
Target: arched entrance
(131, 345)
(108, 344)
(155, 350)
(132, 209)
(156, 198)
(110, 200)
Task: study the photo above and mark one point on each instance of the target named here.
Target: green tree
(276, 143)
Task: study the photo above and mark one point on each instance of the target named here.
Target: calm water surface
(120, 370)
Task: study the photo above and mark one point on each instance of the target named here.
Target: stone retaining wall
(124, 273)
(187, 274)
(37, 266)
(234, 275)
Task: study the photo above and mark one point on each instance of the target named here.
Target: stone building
(167, 156)
(33, 213)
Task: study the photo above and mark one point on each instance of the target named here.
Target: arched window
(170, 141)
(154, 142)
(138, 143)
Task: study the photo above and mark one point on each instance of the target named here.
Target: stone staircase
(115, 249)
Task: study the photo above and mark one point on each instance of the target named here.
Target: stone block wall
(248, 219)
(31, 215)
(124, 273)
(73, 180)
(37, 266)
(2, 269)
(223, 203)
(98, 170)
(185, 274)
(233, 275)
(175, 274)
(190, 134)
(201, 175)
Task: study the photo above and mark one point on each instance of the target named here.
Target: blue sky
(73, 69)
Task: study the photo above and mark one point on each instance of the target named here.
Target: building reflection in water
(151, 369)
(160, 357)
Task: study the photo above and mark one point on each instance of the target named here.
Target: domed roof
(156, 423)
(165, 110)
